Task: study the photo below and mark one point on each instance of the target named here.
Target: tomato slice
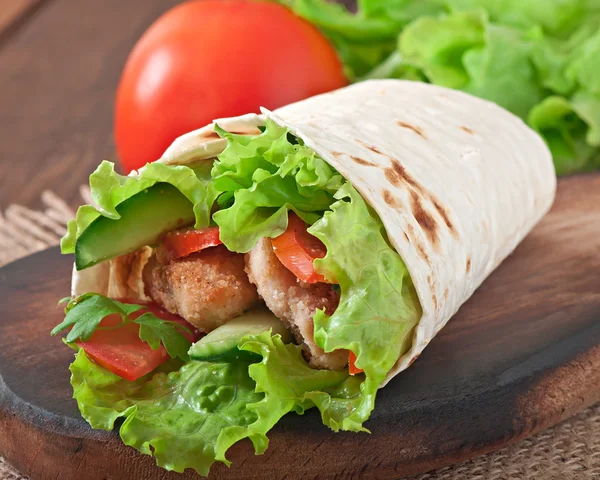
(352, 369)
(297, 250)
(122, 352)
(182, 243)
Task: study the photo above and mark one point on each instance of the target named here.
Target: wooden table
(60, 62)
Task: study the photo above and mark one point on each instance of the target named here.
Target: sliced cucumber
(144, 218)
(222, 343)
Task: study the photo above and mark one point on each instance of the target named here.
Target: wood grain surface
(12, 11)
(522, 354)
(58, 78)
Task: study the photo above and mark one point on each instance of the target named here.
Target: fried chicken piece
(207, 288)
(294, 302)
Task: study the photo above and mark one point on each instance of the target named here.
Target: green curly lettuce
(290, 384)
(260, 178)
(109, 189)
(571, 129)
(517, 53)
(365, 39)
(189, 416)
(378, 308)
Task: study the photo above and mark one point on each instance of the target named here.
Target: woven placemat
(568, 451)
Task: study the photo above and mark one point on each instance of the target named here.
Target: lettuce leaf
(188, 417)
(465, 51)
(268, 175)
(365, 39)
(378, 308)
(102, 396)
(557, 17)
(261, 178)
(436, 46)
(109, 189)
(289, 383)
(571, 129)
(517, 53)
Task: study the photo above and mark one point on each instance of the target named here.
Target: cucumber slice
(222, 343)
(144, 218)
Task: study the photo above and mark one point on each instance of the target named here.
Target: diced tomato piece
(297, 250)
(122, 352)
(352, 369)
(182, 243)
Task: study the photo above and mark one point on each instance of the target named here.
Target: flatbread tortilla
(457, 181)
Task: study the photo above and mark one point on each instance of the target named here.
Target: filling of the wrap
(294, 301)
(199, 248)
(207, 287)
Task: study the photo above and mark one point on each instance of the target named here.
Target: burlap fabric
(568, 451)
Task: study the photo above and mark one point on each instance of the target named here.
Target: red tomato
(209, 59)
(182, 243)
(122, 352)
(352, 369)
(297, 250)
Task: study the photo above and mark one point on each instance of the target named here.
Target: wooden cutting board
(522, 354)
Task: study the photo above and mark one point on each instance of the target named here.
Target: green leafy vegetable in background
(539, 59)
(84, 314)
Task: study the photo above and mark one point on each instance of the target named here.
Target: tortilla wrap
(457, 182)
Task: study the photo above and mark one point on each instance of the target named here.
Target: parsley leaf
(128, 308)
(155, 331)
(85, 313)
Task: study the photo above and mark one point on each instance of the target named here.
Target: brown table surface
(60, 62)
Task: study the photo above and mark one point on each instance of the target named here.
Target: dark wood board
(521, 355)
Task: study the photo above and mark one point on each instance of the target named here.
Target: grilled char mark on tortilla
(397, 176)
(427, 223)
(440, 209)
(431, 284)
(373, 148)
(418, 130)
(294, 302)
(389, 198)
(207, 288)
(355, 159)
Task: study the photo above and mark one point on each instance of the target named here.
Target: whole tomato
(209, 59)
